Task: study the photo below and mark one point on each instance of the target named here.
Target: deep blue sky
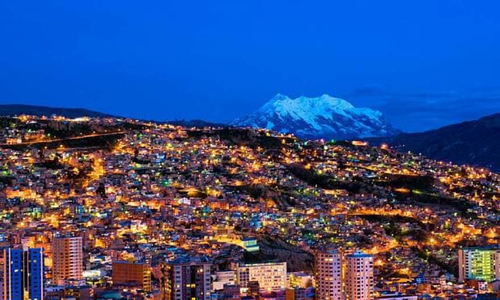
(423, 63)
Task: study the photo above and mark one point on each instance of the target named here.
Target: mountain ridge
(474, 142)
(41, 110)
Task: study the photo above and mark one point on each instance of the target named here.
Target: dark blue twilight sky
(424, 63)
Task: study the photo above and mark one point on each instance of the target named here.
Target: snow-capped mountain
(322, 117)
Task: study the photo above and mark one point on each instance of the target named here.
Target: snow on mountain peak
(323, 116)
(279, 97)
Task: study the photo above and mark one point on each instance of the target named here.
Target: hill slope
(474, 143)
(322, 117)
(19, 109)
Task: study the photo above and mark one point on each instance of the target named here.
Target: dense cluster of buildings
(173, 213)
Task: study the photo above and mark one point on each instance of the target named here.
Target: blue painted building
(23, 274)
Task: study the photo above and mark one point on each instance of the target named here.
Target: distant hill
(19, 109)
(35, 110)
(474, 143)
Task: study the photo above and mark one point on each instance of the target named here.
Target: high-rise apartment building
(359, 281)
(185, 279)
(328, 271)
(67, 260)
(270, 276)
(479, 264)
(23, 274)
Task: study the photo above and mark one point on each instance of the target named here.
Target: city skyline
(250, 150)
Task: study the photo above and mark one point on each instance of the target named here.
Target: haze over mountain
(473, 143)
(322, 117)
